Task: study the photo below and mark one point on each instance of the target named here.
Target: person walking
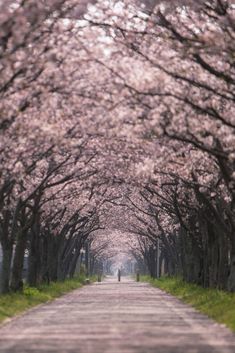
(119, 275)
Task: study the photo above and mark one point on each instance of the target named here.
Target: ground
(112, 317)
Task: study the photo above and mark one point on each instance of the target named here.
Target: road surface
(112, 317)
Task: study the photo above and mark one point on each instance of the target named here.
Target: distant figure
(119, 275)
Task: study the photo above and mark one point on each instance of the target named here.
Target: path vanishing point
(112, 317)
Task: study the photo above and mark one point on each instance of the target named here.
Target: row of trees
(187, 206)
(49, 217)
(46, 205)
(128, 103)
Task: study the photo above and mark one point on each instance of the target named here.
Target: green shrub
(31, 291)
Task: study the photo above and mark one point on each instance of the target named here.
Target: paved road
(113, 317)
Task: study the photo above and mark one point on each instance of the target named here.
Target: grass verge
(218, 305)
(15, 303)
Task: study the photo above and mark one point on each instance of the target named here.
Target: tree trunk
(34, 259)
(87, 259)
(5, 269)
(205, 252)
(44, 269)
(223, 267)
(73, 263)
(52, 257)
(18, 263)
(60, 270)
(231, 278)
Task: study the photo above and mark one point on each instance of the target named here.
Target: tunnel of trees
(117, 138)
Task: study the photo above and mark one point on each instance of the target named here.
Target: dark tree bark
(231, 278)
(6, 268)
(18, 262)
(34, 259)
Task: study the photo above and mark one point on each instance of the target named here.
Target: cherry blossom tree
(117, 116)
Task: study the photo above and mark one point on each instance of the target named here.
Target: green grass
(15, 303)
(218, 305)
